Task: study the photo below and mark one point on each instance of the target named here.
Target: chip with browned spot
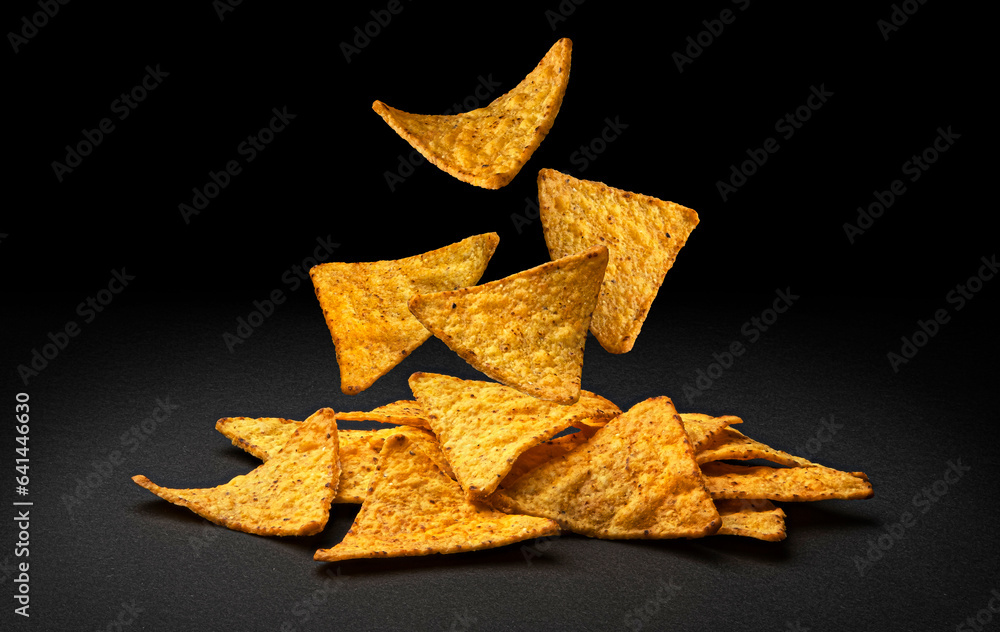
(402, 412)
(725, 480)
(702, 429)
(731, 444)
(483, 427)
(413, 508)
(261, 437)
(527, 330)
(488, 146)
(290, 494)
(642, 233)
(365, 304)
(757, 518)
(635, 478)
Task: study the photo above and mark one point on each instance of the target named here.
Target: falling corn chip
(403, 412)
(365, 304)
(642, 233)
(784, 483)
(488, 146)
(527, 330)
(413, 508)
(483, 426)
(290, 494)
(635, 478)
(757, 518)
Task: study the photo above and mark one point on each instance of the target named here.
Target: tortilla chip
(635, 478)
(527, 330)
(261, 437)
(642, 233)
(365, 304)
(484, 426)
(758, 519)
(290, 494)
(432, 447)
(403, 412)
(703, 430)
(784, 483)
(413, 508)
(731, 444)
(488, 146)
(536, 455)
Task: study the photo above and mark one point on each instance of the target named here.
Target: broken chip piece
(526, 330)
(488, 146)
(793, 484)
(757, 518)
(643, 235)
(413, 508)
(635, 478)
(402, 412)
(483, 427)
(290, 494)
(365, 304)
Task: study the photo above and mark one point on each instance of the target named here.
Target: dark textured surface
(140, 386)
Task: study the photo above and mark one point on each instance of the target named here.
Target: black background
(96, 546)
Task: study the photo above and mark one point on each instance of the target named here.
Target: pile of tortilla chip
(469, 465)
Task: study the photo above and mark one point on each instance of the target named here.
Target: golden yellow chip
(731, 444)
(536, 455)
(290, 494)
(432, 449)
(365, 304)
(702, 430)
(758, 519)
(784, 483)
(642, 233)
(403, 412)
(527, 330)
(413, 508)
(635, 478)
(261, 437)
(488, 146)
(483, 426)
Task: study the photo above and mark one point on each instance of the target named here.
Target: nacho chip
(541, 453)
(483, 426)
(527, 330)
(365, 304)
(758, 519)
(290, 494)
(725, 480)
(702, 430)
(487, 147)
(731, 444)
(635, 478)
(261, 437)
(642, 233)
(403, 412)
(413, 508)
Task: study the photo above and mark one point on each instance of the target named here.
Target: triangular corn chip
(702, 430)
(642, 233)
(290, 494)
(527, 330)
(635, 478)
(413, 508)
(731, 444)
(488, 146)
(403, 412)
(358, 449)
(784, 483)
(758, 519)
(365, 304)
(536, 455)
(483, 426)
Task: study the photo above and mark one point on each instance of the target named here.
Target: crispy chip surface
(413, 508)
(642, 233)
(527, 330)
(757, 518)
(784, 483)
(731, 444)
(488, 146)
(635, 478)
(703, 430)
(365, 304)
(290, 494)
(402, 412)
(261, 437)
(483, 427)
